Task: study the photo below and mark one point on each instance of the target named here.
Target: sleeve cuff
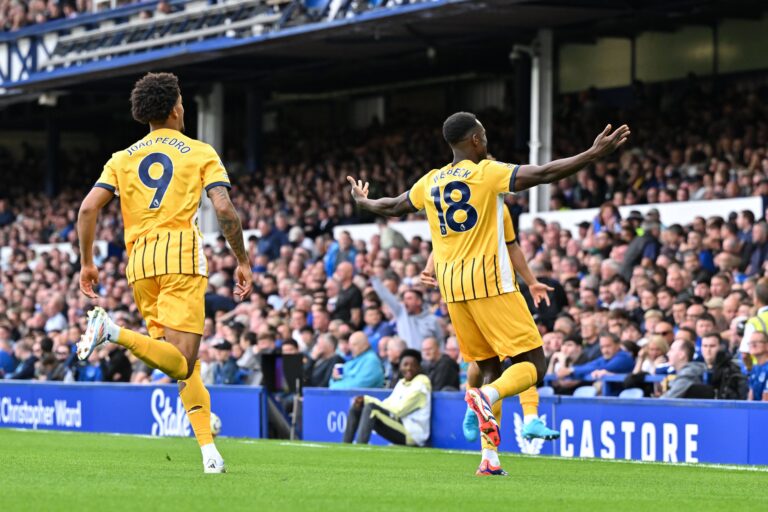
(105, 186)
(512, 179)
(225, 184)
(511, 241)
(408, 197)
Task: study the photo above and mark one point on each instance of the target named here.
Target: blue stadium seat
(546, 391)
(585, 392)
(316, 7)
(632, 393)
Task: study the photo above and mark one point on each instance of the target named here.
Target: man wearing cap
(414, 321)
(225, 370)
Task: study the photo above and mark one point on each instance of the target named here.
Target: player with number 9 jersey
(160, 180)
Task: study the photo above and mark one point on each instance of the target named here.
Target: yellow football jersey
(465, 208)
(160, 180)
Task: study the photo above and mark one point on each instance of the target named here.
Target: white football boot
(214, 466)
(96, 333)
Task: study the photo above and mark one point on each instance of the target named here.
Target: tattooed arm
(230, 226)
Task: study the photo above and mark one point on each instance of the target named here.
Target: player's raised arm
(387, 206)
(230, 226)
(606, 143)
(96, 199)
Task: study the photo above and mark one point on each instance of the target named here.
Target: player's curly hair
(154, 96)
(458, 126)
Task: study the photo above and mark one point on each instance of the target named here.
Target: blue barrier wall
(124, 408)
(611, 428)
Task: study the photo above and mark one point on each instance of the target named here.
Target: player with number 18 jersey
(464, 203)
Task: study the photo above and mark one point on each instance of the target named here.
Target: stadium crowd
(17, 14)
(665, 306)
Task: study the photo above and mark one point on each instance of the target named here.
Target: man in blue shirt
(758, 348)
(271, 240)
(613, 360)
(364, 370)
(375, 326)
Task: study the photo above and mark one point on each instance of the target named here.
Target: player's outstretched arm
(96, 199)
(230, 226)
(386, 206)
(606, 143)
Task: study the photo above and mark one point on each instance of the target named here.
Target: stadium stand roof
(277, 43)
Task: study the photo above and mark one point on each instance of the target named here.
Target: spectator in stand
(590, 338)
(376, 327)
(758, 249)
(613, 360)
(757, 323)
(395, 347)
(571, 354)
(225, 370)
(342, 250)
(270, 240)
(319, 367)
(688, 372)
(758, 349)
(349, 301)
(643, 249)
(25, 369)
(63, 369)
(722, 375)
(403, 417)
(652, 354)
(363, 370)
(389, 236)
(92, 370)
(414, 321)
(443, 372)
(115, 366)
(547, 311)
(6, 215)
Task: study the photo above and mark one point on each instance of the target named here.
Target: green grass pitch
(89, 472)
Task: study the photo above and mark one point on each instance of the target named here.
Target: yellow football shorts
(500, 326)
(172, 300)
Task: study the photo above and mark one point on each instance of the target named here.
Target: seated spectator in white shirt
(403, 417)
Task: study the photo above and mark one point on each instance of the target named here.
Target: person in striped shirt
(464, 203)
(160, 180)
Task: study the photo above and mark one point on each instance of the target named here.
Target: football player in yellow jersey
(533, 426)
(160, 180)
(465, 208)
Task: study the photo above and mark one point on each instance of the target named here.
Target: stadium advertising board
(609, 428)
(124, 408)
